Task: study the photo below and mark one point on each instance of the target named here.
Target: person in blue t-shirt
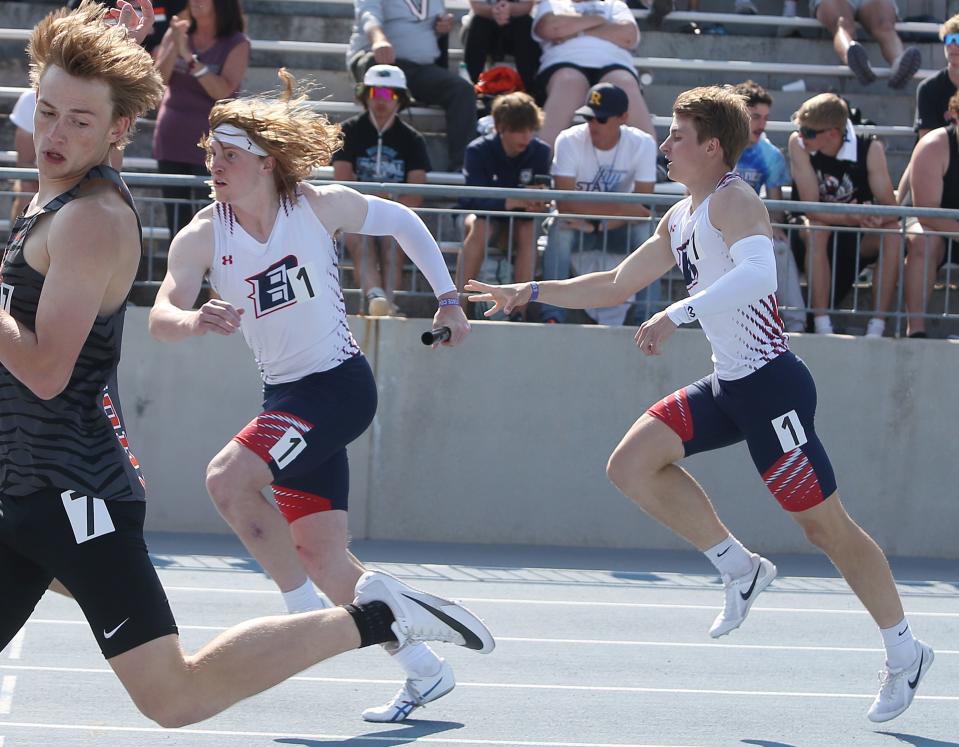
(511, 157)
(763, 166)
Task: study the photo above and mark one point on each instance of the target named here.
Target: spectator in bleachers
(878, 17)
(496, 29)
(830, 163)
(763, 166)
(406, 34)
(202, 58)
(510, 157)
(164, 10)
(379, 147)
(603, 155)
(934, 182)
(22, 119)
(933, 94)
(586, 42)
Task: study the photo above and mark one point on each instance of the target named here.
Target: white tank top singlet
(294, 316)
(743, 340)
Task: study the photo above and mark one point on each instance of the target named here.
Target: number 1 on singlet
(304, 280)
(789, 430)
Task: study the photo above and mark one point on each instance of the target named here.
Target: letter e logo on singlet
(89, 517)
(282, 284)
(6, 295)
(288, 447)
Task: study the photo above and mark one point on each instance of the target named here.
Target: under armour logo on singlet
(227, 260)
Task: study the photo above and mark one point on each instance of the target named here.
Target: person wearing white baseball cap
(379, 147)
(408, 35)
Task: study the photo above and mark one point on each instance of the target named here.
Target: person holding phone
(512, 156)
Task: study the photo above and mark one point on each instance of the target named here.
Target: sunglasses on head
(810, 132)
(601, 120)
(380, 92)
(950, 39)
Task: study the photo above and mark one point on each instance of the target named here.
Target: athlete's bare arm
(88, 252)
(738, 212)
(173, 317)
(645, 265)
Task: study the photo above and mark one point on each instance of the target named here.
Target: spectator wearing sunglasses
(413, 35)
(878, 17)
(379, 147)
(604, 154)
(830, 163)
(933, 94)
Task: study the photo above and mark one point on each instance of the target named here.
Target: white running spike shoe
(897, 687)
(740, 594)
(424, 617)
(415, 693)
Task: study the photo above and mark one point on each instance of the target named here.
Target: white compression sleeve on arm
(752, 278)
(386, 218)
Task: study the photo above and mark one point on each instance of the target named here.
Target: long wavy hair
(287, 127)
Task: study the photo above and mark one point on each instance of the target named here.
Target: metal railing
(444, 218)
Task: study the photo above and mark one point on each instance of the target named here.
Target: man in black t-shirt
(933, 94)
(829, 163)
(379, 147)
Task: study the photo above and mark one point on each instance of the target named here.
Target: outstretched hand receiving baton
(505, 298)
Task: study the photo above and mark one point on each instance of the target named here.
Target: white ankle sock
(901, 645)
(418, 660)
(789, 8)
(304, 599)
(730, 558)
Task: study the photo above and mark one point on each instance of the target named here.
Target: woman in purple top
(202, 58)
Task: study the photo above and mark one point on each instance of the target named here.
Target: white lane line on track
(392, 740)
(7, 685)
(576, 603)
(593, 641)
(529, 686)
(15, 648)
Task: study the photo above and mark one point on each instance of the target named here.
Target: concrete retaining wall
(505, 439)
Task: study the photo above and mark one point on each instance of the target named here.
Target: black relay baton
(435, 335)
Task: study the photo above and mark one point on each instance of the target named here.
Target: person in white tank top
(720, 237)
(266, 244)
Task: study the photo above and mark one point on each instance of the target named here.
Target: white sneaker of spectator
(822, 325)
(875, 328)
(746, 8)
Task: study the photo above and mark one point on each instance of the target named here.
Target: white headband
(228, 134)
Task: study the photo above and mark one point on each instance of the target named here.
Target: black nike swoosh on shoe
(749, 592)
(720, 554)
(913, 683)
(471, 640)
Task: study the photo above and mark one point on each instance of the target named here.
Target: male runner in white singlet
(760, 392)
(266, 243)
(72, 495)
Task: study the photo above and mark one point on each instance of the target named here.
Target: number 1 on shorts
(789, 430)
(288, 447)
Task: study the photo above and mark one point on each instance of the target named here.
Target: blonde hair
(717, 112)
(516, 112)
(82, 45)
(287, 127)
(951, 26)
(822, 112)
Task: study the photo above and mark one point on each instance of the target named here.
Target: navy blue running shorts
(302, 435)
(773, 410)
(96, 549)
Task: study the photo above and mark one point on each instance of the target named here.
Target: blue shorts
(773, 409)
(302, 435)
